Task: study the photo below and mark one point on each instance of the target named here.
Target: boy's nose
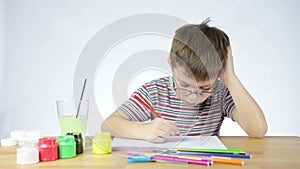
(201, 99)
(193, 98)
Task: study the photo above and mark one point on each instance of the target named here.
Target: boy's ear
(169, 61)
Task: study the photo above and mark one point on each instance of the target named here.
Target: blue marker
(137, 158)
(209, 154)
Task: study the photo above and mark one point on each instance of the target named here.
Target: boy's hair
(203, 49)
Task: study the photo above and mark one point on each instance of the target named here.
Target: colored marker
(137, 158)
(209, 154)
(223, 160)
(210, 150)
(175, 159)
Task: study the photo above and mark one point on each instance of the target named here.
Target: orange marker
(224, 161)
(215, 159)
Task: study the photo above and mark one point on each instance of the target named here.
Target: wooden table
(269, 152)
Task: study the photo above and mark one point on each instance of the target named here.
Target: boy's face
(190, 91)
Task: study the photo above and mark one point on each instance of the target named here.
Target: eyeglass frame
(198, 93)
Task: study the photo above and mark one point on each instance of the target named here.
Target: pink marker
(175, 159)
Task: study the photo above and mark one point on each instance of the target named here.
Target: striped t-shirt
(203, 119)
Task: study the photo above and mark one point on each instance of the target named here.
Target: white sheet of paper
(209, 142)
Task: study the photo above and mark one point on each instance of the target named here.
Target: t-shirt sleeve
(134, 109)
(228, 104)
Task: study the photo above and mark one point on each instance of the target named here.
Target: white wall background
(41, 40)
(1, 63)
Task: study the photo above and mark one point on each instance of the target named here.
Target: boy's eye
(207, 88)
(184, 85)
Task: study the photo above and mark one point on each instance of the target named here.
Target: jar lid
(103, 135)
(77, 135)
(47, 140)
(34, 134)
(65, 139)
(27, 142)
(18, 134)
(9, 142)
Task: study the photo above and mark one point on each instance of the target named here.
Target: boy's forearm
(121, 127)
(248, 113)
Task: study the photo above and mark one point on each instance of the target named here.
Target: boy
(203, 90)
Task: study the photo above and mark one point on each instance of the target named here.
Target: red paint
(48, 149)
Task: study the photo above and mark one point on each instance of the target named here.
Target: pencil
(147, 106)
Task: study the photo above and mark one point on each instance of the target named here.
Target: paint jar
(102, 143)
(66, 146)
(27, 152)
(78, 140)
(9, 142)
(34, 135)
(18, 134)
(48, 149)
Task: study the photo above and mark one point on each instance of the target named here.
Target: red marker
(147, 106)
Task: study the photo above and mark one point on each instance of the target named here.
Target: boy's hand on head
(228, 70)
(158, 129)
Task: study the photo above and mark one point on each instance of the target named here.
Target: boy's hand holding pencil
(159, 128)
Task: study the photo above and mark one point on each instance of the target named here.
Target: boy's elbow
(104, 126)
(259, 131)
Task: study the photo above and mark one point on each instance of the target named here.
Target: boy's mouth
(190, 103)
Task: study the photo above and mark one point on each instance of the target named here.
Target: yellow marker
(102, 143)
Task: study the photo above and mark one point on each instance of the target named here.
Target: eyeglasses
(186, 92)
